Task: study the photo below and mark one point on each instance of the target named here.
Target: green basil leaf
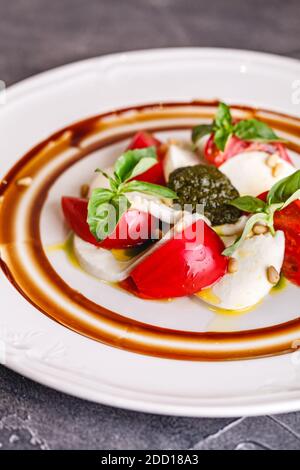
(261, 217)
(121, 204)
(100, 198)
(249, 204)
(104, 217)
(103, 221)
(112, 182)
(284, 189)
(291, 199)
(200, 131)
(98, 170)
(149, 188)
(220, 138)
(223, 117)
(97, 220)
(143, 165)
(126, 163)
(252, 129)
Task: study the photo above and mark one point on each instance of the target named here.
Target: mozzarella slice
(247, 286)
(178, 157)
(250, 174)
(154, 206)
(101, 263)
(232, 229)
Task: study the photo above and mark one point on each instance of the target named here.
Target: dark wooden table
(36, 35)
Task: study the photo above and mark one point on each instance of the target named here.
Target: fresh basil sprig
(223, 127)
(249, 204)
(252, 129)
(283, 193)
(106, 206)
(200, 131)
(134, 162)
(286, 190)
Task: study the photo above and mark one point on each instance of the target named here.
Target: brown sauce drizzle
(129, 334)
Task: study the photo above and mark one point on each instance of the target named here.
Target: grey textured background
(36, 35)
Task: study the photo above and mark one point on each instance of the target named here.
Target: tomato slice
(134, 227)
(234, 146)
(291, 264)
(288, 220)
(155, 174)
(182, 265)
(216, 157)
(142, 140)
(75, 212)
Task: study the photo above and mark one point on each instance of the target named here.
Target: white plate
(44, 350)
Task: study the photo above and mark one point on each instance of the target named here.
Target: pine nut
(260, 229)
(233, 265)
(272, 160)
(277, 169)
(84, 190)
(163, 148)
(273, 275)
(174, 142)
(24, 181)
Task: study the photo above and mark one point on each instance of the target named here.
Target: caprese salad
(217, 217)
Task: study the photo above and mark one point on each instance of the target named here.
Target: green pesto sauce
(206, 185)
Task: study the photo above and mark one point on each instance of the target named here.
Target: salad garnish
(283, 193)
(206, 188)
(223, 127)
(180, 251)
(106, 206)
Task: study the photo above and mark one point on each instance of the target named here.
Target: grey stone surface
(35, 416)
(36, 35)
(260, 433)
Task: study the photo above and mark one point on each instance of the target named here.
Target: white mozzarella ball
(178, 157)
(154, 206)
(250, 174)
(249, 284)
(99, 262)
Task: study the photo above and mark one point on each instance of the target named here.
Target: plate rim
(277, 406)
(32, 83)
(14, 90)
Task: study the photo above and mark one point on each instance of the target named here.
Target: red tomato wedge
(288, 220)
(134, 227)
(216, 157)
(182, 265)
(234, 146)
(155, 174)
(142, 140)
(291, 264)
